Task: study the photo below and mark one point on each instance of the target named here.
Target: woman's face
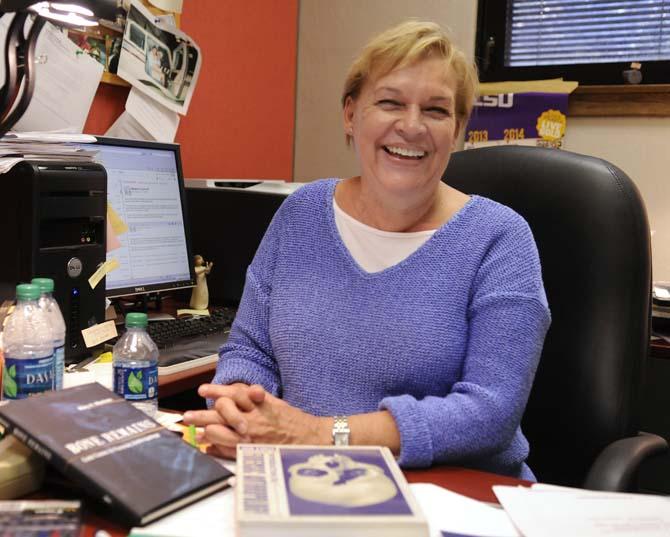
(404, 126)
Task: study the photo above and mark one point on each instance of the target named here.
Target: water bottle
(28, 347)
(135, 363)
(55, 317)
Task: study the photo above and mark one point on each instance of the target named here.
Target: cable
(12, 75)
(27, 52)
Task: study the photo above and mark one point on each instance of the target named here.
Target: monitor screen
(147, 223)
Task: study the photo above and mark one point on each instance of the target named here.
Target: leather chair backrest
(591, 229)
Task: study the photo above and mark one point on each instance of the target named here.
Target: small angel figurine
(200, 293)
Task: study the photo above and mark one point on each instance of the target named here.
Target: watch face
(341, 431)
(341, 439)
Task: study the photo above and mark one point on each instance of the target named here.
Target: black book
(116, 453)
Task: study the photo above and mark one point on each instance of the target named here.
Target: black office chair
(591, 229)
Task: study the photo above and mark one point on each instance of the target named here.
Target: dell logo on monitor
(139, 289)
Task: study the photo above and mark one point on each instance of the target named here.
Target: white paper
(7, 163)
(65, 85)
(167, 418)
(126, 126)
(54, 137)
(212, 517)
(551, 512)
(94, 372)
(168, 5)
(160, 122)
(448, 511)
(167, 20)
(160, 61)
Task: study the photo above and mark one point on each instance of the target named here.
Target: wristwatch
(341, 431)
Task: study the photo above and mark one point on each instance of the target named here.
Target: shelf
(644, 100)
(110, 78)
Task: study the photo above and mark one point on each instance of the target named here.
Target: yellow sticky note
(98, 333)
(118, 225)
(193, 312)
(104, 358)
(107, 266)
(113, 241)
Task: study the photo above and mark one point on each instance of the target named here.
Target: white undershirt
(373, 249)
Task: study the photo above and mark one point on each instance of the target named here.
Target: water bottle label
(23, 377)
(136, 383)
(59, 361)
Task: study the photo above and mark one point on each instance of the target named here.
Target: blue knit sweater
(447, 340)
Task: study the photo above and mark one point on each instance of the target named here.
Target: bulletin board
(113, 91)
(241, 121)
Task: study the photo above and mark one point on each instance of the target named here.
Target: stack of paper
(451, 514)
(46, 146)
(552, 511)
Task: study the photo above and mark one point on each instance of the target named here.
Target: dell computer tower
(52, 225)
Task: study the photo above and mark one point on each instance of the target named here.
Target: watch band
(341, 431)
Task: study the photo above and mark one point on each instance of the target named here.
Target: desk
(185, 380)
(472, 483)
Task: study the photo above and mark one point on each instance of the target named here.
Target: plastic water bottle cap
(46, 285)
(27, 291)
(136, 320)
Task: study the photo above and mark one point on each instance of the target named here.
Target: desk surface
(471, 483)
(185, 380)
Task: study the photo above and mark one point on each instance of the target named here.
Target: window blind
(560, 32)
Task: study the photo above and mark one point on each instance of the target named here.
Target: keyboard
(167, 334)
(190, 342)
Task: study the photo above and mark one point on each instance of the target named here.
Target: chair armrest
(616, 467)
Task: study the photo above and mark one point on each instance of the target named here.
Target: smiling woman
(389, 308)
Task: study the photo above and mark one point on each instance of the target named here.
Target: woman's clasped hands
(249, 414)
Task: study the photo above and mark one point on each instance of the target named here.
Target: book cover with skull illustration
(332, 490)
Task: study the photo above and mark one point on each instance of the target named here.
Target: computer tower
(52, 225)
(227, 225)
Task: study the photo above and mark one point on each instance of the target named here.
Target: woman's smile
(404, 153)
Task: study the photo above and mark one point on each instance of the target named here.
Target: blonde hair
(404, 44)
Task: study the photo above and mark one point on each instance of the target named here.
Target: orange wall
(241, 119)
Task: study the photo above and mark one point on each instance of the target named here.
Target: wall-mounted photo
(160, 61)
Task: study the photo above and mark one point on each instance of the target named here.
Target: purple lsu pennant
(537, 119)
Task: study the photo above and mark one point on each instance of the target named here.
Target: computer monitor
(147, 220)
(246, 213)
